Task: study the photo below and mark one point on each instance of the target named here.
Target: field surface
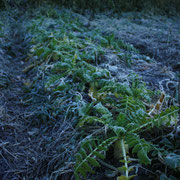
(92, 96)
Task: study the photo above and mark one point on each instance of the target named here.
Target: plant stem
(124, 156)
(151, 122)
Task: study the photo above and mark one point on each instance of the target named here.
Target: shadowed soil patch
(155, 36)
(25, 149)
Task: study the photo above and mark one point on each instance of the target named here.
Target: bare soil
(156, 37)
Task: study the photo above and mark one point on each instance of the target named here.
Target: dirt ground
(156, 37)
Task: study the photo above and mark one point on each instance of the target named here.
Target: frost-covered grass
(104, 111)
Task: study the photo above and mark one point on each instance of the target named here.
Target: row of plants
(112, 118)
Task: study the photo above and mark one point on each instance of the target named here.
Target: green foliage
(132, 112)
(173, 160)
(66, 55)
(87, 156)
(139, 146)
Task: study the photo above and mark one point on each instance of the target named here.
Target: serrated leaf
(141, 147)
(79, 157)
(101, 109)
(39, 51)
(119, 131)
(77, 176)
(102, 148)
(172, 160)
(87, 167)
(82, 171)
(143, 158)
(132, 142)
(137, 148)
(83, 153)
(93, 162)
(122, 169)
(93, 143)
(98, 154)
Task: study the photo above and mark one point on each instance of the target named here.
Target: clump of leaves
(66, 55)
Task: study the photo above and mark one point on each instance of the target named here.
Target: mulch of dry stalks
(27, 151)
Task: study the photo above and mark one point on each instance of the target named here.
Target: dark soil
(13, 134)
(26, 151)
(156, 37)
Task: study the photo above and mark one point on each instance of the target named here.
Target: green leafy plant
(111, 114)
(89, 152)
